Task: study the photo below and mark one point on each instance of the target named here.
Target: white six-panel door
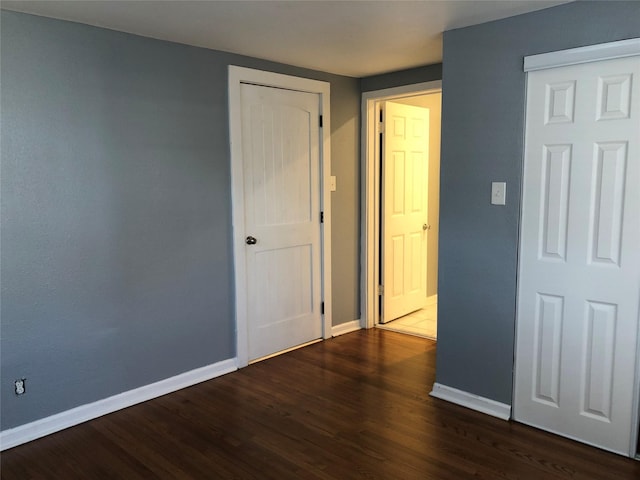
(405, 209)
(280, 147)
(579, 272)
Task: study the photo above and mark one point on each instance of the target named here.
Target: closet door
(579, 272)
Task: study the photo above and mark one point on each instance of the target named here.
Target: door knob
(251, 240)
(426, 227)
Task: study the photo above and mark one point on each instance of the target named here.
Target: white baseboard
(347, 327)
(469, 400)
(432, 300)
(45, 426)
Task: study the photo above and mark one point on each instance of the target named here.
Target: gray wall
(426, 73)
(116, 258)
(482, 141)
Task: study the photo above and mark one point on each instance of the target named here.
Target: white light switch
(498, 193)
(332, 183)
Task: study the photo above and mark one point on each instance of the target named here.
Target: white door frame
(237, 76)
(370, 210)
(573, 56)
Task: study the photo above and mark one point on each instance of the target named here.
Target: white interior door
(405, 167)
(579, 278)
(280, 147)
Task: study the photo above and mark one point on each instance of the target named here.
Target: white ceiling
(353, 38)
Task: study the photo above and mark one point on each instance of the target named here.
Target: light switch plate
(498, 193)
(332, 183)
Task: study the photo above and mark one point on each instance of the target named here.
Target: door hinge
(320, 121)
(380, 289)
(321, 308)
(321, 217)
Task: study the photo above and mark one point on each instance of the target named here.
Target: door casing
(370, 181)
(237, 76)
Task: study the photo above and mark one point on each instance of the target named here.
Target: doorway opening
(393, 259)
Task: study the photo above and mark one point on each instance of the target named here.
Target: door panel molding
(238, 76)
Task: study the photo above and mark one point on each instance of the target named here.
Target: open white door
(281, 163)
(405, 159)
(579, 273)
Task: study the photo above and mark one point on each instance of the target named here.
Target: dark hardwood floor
(353, 407)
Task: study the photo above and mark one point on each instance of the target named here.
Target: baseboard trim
(69, 418)
(432, 300)
(347, 327)
(469, 400)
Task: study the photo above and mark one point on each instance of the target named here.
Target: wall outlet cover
(498, 193)
(332, 183)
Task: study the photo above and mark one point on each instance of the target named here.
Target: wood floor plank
(353, 407)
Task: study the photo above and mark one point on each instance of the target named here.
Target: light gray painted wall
(482, 141)
(116, 259)
(410, 76)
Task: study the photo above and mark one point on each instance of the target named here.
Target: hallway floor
(422, 323)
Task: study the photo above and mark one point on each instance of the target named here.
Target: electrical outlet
(20, 386)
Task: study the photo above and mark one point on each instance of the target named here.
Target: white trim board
(69, 418)
(590, 53)
(370, 204)
(237, 76)
(346, 327)
(469, 400)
